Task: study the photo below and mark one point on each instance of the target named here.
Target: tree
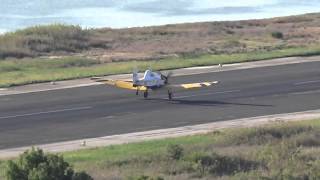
(35, 165)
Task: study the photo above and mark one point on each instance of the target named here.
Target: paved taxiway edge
(177, 72)
(163, 133)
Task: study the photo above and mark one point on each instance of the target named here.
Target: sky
(17, 14)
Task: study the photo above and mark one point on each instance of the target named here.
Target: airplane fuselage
(150, 80)
(151, 84)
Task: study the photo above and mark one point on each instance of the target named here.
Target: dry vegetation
(286, 151)
(163, 41)
(281, 151)
(61, 52)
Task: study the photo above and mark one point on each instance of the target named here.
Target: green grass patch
(249, 153)
(27, 71)
(118, 152)
(281, 150)
(2, 169)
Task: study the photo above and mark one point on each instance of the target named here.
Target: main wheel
(170, 96)
(145, 94)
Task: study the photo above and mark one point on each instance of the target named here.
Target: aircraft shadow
(208, 103)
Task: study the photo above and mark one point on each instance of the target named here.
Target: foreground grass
(286, 150)
(279, 151)
(27, 71)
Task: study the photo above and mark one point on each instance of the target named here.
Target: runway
(85, 112)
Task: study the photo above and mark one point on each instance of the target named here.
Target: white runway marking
(46, 112)
(306, 92)
(205, 94)
(307, 82)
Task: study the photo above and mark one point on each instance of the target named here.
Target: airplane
(153, 81)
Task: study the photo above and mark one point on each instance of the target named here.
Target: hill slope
(163, 41)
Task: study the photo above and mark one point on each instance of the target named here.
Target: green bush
(175, 152)
(277, 35)
(144, 177)
(40, 40)
(35, 165)
(284, 161)
(258, 136)
(222, 165)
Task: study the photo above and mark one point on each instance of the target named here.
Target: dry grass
(158, 42)
(268, 152)
(58, 52)
(26, 71)
(278, 151)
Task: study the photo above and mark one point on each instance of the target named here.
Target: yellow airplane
(152, 81)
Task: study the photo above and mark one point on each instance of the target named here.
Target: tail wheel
(145, 94)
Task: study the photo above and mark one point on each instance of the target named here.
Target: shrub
(39, 40)
(222, 165)
(284, 161)
(175, 152)
(277, 35)
(144, 177)
(34, 164)
(261, 135)
(308, 140)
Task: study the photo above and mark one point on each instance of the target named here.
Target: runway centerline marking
(204, 94)
(46, 112)
(307, 82)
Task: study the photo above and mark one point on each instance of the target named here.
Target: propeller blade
(167, 76)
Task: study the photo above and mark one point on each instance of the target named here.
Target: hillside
(158, 42)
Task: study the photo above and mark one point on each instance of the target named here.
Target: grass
(39, 40)
(271, 151)
(60, 52)
(250, 153)
(2, 169)
(156, 42)
(278, 151)
(27, 71)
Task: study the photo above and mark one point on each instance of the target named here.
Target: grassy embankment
(59, 52)
(26, 71)
(280, 151)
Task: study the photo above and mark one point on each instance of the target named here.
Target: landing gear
(145, 94)
(137, 92)
(169, 95)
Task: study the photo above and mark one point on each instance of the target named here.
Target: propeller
(166, 77)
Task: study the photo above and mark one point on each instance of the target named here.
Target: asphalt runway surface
(94, 111)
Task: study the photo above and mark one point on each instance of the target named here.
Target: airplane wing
(192, 85)
(122, 84)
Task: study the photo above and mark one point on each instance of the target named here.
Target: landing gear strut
(137, 92)
(169, 95)
(145, 94)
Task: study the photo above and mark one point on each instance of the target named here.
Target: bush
(308, 139)
(261, 135)
(284, 161)
(175, 152)
(277, 35)
(35, 165)
(41, 40)
(222, 165)
(143, 177)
